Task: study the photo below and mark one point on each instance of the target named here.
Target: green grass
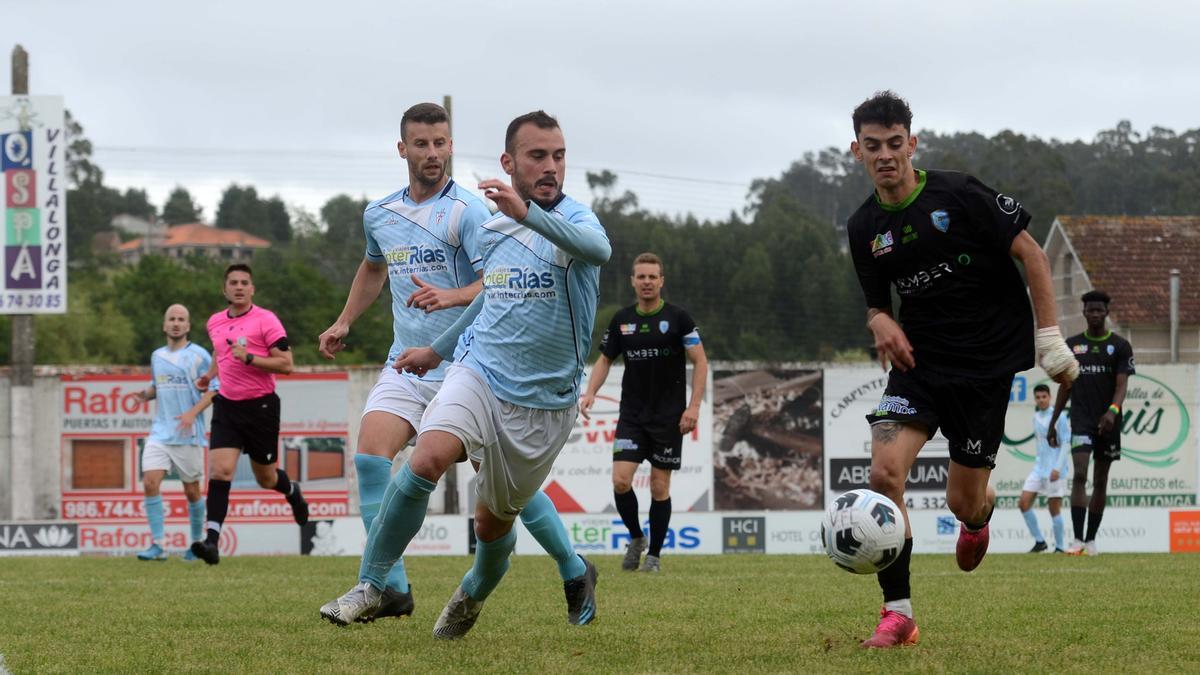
(1113, 613)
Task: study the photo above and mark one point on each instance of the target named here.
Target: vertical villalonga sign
(33, 159)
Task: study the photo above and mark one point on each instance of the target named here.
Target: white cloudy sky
(688, 101)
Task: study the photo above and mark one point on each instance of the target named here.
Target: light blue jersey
(175, 393)
(435, 240)
(541, 278)
(1048, 457)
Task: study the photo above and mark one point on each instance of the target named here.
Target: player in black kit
(946, 243)
(653, 337)
(1105, 364)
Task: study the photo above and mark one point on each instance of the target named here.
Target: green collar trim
(1097, 339)
(661, 303)
(907, 200)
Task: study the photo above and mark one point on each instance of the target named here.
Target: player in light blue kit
(509, 401)
(424, 241)
(177, 435)
(1049, 474)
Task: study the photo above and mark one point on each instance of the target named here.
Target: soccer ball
(863, 531)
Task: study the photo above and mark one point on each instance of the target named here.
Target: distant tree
(180, 208)
(136, 202)
(279, 222)
(241, 209)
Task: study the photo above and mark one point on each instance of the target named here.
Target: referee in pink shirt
(250, 346)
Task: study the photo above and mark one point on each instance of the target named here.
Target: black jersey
(653, 391)
(1100, 361)
(963, 305)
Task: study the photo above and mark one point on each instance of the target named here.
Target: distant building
(1130, 258)
(179, 241)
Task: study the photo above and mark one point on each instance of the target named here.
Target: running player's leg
(1099, 496)
(152, 502)
(541, 518)
(189, 464)
(660, 514)
(260, 428)
(1056, 517)
(195, 499)
(894, 448)
(630, 447)
(972, 500)
(626, 501)
(381, 437)
(1025, 504)
(222, 461)
(1080, 456)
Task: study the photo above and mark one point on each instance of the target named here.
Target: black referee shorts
(969, 412)
(251, 426)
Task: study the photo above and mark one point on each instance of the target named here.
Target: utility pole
(450, 479)
(22, 346)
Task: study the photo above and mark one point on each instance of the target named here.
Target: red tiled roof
(199, 234)
(1131, 258)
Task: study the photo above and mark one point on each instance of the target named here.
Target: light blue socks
(1031, 521)
(1059, 532)
(196, 519)
(374, 473)
(541, 519)
(491, 562)
(401, 513)
(154, 514)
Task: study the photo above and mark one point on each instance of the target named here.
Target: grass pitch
(1023, 613)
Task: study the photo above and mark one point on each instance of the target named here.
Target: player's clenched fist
(417, 360)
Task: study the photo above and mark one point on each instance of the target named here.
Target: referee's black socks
(217, 505)
(282, 484)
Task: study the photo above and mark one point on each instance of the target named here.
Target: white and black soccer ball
(863, 531)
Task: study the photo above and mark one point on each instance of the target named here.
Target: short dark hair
(649, 258)
(885, 108)
(238, 267)
(1042, 387)
(1096, 296)
(539, 118)
(423, 113)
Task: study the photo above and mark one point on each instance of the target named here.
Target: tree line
(771, 283)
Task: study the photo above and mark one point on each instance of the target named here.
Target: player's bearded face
(427, 149)
(886, 153)
(539, 163)
(176, 323)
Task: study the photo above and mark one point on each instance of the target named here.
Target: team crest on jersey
(437, 217)
(940, 220)
(1007, 205)
(883, 244)
(663, 326)
(1111, 349)
(628, 328)
(1079, 349)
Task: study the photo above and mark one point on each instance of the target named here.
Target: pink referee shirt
(258, 329)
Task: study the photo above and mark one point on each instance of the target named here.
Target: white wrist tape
(1053, 355)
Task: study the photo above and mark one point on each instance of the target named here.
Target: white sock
(900, 607)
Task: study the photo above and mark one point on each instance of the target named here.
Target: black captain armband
(281, 344)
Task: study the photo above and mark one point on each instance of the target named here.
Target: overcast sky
(687, 101)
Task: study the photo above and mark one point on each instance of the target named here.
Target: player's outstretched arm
(368, 282)
(1053, 355)
(595, 381)
(582, 243)
(431, 298)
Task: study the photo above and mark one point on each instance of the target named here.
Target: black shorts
(969, 412)
(661, 445)
(1107, 446)
(251, 426)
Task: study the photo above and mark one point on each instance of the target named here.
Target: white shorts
(187, 459)
(404, 397)
(1049, 489)
(514, 445)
